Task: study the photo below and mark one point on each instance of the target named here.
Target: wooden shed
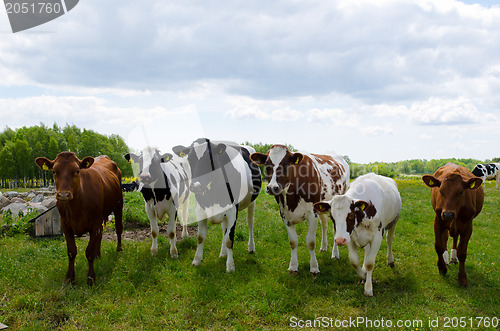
(47, 223)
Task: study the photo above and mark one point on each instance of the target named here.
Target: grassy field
(135, 290)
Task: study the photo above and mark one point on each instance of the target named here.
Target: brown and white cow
(88, 191)
(457, 198)
(297, 181)
(370, 207)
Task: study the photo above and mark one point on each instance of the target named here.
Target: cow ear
(322, 207)
(87, 162)
(473, 183)
(431, 181)
(296, 158)
(362, 205)
(44, 163)
(181, 150)
(258, 158)
(166, 157)
(220, 148)
(131, 157)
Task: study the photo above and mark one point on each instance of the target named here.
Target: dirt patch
(139, 234)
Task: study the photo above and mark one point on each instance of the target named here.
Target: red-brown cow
(457, 197)
(88, 191)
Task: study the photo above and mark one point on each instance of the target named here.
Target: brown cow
(457, 197)
(87, 192)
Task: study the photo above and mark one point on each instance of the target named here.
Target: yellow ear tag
(88, 164)
(431, 182)
(297, 161)
(182, 154)
(131, 161)
(363, 206)
(45, 167)
(472, 184)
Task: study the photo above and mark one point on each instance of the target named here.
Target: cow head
(450, 192)
(280, 164)
(66, 170)
(206, 160)
(149, 161)
(346, 214)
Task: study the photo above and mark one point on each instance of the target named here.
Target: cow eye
(461, 192)
(78, 172)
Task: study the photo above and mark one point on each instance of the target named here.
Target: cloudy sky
(374, 80)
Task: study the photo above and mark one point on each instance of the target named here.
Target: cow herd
(225, 178)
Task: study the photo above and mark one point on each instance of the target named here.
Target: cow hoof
(454, 261)
(174, 256)
(315, 273)
(369, 293)
(154, 251)
(196, 263)
(293, 272)
(119, 248)
(251, 251)
(391, 264)
(323, 249)
(90, 281)
(230, 269)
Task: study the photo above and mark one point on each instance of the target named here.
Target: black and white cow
(165, 180)
(130, 187)
(224, 181)
(487, 171)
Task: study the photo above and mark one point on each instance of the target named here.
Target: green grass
(135, 290)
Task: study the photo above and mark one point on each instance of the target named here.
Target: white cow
(165, 180)
(361, 216)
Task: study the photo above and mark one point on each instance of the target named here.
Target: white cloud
(436, 111)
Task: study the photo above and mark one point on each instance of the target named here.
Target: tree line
(19, 148)
(391, 169)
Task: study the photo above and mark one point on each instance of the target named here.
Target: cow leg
(229, 238)
(223, 249)
(335, 249)
(324, 232)
(90, 252)
(202, 235)
(118, 212)
(312, 222)
(172, 217)
(72, 251)
(354, 259)
(184, 218)
(371, 251)
(390, 240)
(462, 255)
(250, 220)
(453, 257)
(294, 241)
(441, 238)
(155, 231)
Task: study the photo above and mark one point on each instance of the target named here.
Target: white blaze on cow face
(276, 155)
(340, 207)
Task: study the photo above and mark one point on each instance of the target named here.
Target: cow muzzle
(273, 190)
(64, 196)
(196, 188)
(448, 216)
(340, 241)
(146, 179)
